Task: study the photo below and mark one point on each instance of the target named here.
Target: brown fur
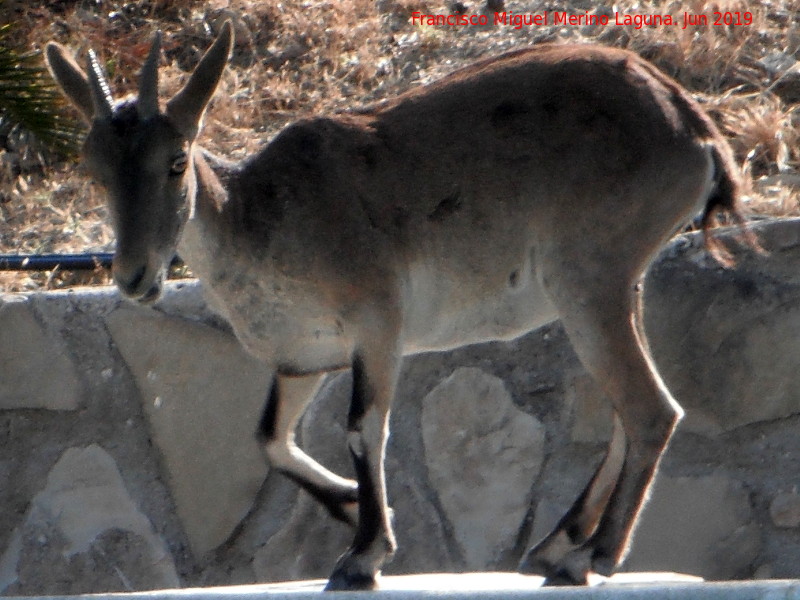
(532, 186)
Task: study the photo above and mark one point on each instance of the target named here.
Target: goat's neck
(212, 174)
(208, 194)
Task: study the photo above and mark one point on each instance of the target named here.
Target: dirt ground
(294, 58)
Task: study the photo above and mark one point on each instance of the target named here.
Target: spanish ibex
(530, 187)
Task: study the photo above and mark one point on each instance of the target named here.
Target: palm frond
(30, 104)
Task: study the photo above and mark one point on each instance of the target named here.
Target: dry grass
(298, 57)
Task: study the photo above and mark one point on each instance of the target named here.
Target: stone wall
(128, 461)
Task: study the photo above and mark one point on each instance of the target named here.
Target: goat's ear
(70, 78)
(186, 108)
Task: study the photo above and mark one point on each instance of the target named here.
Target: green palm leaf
(30, 104)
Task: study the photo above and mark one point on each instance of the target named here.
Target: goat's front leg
(288, 399)
(374, 382)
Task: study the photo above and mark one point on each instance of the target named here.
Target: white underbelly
(446, 312)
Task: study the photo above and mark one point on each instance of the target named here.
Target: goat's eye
(179, 164)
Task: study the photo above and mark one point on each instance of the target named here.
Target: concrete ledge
(480, 586)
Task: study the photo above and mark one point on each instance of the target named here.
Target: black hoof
(340, 582)
(563, 578)
(571, 569)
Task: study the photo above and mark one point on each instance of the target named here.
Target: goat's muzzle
(139, 283)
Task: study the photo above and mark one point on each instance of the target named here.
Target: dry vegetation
(297, 57)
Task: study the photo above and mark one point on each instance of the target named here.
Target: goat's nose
(129, 282)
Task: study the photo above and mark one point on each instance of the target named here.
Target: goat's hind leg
(562, 556)
(601, 320)
(288, 399)
(649, 422)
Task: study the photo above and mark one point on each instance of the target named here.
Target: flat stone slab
(467, 586)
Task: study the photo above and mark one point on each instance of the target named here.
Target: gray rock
(84, 525)
(483, 455)
(764, 571)
(784, 510)
(592, 415)
(724, 339)
(697, 525)
(323, 428)
(547, 515)
(716, 333)
(761, 389)
(306, 547)
(203, 396)
(37, 371)
(423, 543)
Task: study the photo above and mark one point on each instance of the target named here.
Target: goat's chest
(283, 320)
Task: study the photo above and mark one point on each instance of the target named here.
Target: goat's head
(143, 156)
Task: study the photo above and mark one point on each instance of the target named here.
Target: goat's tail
(725, 200)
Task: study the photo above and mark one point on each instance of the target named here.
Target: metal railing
(64, 262)
(48, 262)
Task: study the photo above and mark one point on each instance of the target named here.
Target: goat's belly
(449, 312)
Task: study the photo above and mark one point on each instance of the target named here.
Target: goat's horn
(148, 81)
(101, 93)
